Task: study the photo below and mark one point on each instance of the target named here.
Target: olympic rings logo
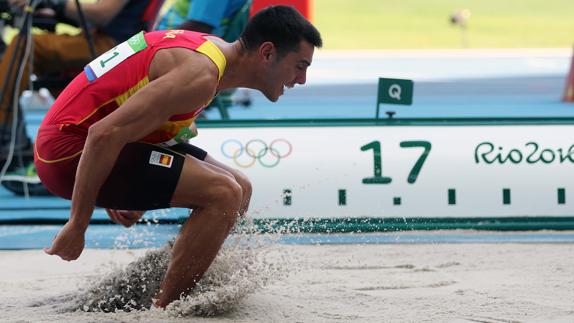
(254, 150)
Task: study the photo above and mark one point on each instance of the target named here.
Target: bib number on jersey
(110, 59)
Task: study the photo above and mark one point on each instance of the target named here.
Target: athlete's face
(286, 71)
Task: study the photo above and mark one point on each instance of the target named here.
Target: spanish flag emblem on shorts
(161, 159)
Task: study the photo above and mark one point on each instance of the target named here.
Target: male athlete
(117, 136)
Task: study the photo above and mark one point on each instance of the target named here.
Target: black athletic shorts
(145, 176)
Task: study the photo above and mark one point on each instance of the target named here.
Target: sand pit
(301, 283)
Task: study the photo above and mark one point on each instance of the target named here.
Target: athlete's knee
(226, 192)
(244, 182)
(226, 199)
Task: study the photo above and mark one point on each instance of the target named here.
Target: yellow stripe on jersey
(120, 99)
(214, 53)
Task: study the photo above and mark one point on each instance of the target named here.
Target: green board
(394, 91)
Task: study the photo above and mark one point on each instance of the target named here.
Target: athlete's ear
(266, 51)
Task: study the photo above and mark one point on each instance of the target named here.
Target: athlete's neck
(240, 71)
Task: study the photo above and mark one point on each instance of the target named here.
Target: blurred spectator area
(305, 7)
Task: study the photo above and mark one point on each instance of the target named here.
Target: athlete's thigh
(144, 177)
(210, 160)
(197, 180)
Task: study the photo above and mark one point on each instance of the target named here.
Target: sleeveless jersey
(109, 80)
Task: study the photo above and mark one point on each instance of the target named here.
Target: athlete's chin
(272, 97)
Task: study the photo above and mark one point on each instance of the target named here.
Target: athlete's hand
(124, 217)
(69, 243)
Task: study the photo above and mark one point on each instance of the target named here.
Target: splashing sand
(239, 269)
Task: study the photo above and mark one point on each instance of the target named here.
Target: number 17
(378, 161)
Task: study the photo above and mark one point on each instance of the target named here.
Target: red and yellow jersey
(108, 81)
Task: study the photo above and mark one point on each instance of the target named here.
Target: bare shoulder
(183, 78)
(186, 65)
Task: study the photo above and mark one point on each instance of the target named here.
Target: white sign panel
(401, 171)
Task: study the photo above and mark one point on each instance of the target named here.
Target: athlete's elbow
(99, 134)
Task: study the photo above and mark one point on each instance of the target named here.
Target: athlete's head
(284, 42)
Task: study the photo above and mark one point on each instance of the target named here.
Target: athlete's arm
(182, 86)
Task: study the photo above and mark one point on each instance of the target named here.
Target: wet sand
(302, 283)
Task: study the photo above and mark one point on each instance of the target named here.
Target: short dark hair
(284, 26)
